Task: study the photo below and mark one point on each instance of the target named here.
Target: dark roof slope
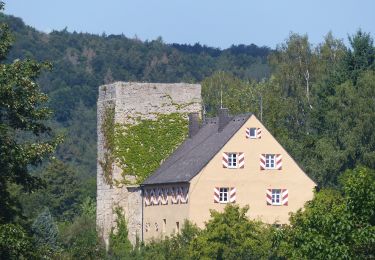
(194, 154)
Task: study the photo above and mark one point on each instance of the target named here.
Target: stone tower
(128, 101)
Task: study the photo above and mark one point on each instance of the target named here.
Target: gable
(254, 150)
(251, 183)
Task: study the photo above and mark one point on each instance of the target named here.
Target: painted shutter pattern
(247, 132)
(216, 195)
(269, 196)
(262, 161)
(225, 160)
(152, 197)
(278, 162)
(232, 195)
(284, 197)
(258, 132)
(241, 160)
(164, 196)
(174, 196)
(147, 198)
(160, 196)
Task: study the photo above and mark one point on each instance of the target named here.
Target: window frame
(232, 160)
(224, 194)
(255, 133)
(270, 161)
(276, 195)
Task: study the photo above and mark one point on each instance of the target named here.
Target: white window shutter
(225, 160)
(262, 162)
(279, 163)
(284, 196)
(232, 195)
(241, 160)
(216, 195)
(269, 196)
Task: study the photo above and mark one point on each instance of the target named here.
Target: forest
(317, 100)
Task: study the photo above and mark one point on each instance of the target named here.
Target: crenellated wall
(130, 101)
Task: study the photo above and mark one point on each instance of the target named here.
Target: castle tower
(121, 103)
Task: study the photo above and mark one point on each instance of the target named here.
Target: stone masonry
(134, 100)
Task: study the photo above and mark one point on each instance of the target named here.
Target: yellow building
(226, 160)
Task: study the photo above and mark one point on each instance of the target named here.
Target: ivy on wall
(141, 147)
(108, 130)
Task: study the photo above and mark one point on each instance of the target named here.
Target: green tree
(231, 235)
(237, 95)
(45, 230)
(79, 238)
(25, 140)
(336, 225)
(119, 244)
(62, 194)
(14, 242)
(361, 56)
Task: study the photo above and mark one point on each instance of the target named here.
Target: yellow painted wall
(172, 213)
(251, 182)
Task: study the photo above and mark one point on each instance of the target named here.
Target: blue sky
(219, 23)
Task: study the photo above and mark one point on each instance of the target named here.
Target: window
(147, 227)
(253, 132)
(164, 225)
(270, 161)
(276, 197)
(178, 227)
(223, 195)
(232, 160)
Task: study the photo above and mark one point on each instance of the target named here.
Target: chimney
(193, 124)
(223, 118)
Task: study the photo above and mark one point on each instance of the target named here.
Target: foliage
(63, 193)
(174, 247)
(335, 225)
(79, 239)
(231, 235)
(25, 140)
(237, 95)
(45, 231)
(141, 148)
(108, 130)
(84, 61)
(14, 242)
(119, 244)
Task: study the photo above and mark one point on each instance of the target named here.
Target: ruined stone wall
(134, 100)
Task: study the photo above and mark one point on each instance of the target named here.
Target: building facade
(226, 160)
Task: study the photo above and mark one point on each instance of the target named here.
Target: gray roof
(194, 154)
